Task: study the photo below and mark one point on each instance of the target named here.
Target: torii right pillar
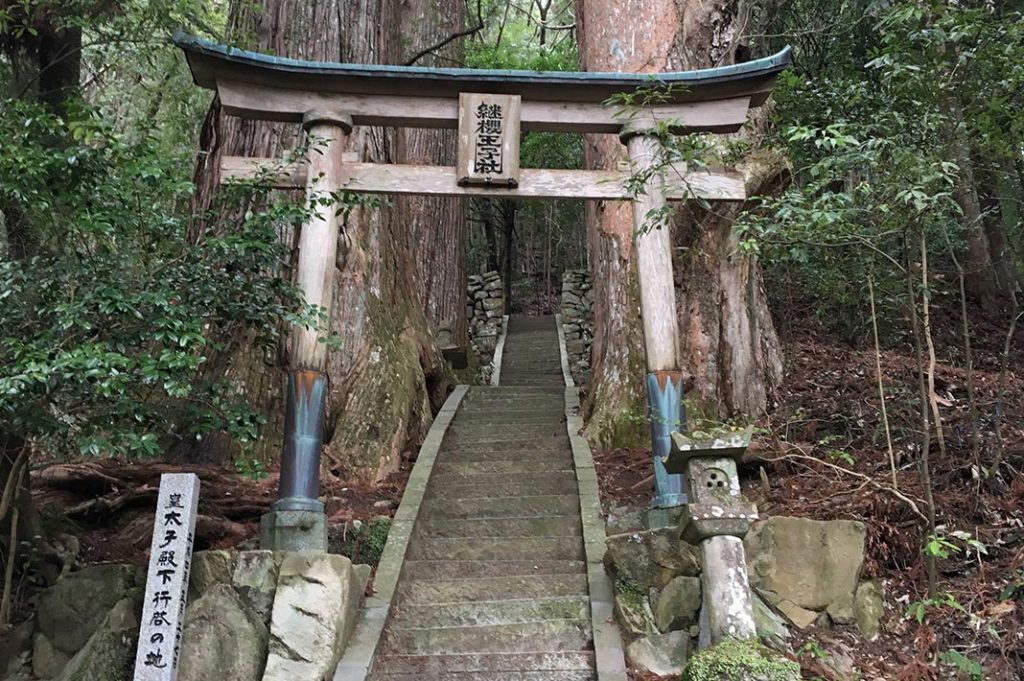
(715, 515)
(653, 247)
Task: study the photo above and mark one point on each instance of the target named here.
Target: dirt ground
(821, 453)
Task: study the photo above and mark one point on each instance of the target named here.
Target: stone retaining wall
(485, 306)
(283, 616)
(578, 322)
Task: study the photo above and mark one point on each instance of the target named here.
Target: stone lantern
(717, 518)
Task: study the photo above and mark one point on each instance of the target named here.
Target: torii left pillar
(297, 521)
(653, 244)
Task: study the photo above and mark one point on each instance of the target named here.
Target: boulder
(678, 604)
(208, 568)
(634, 615)
(625, 520)
(47, 660)
(801, 618)
(109, 654)
(69, 612)
(651, 558)
(255, 580)
(315, 608)
(661, 654)
(869, 606)
(813, 564)
(222, 639)
(771, 628)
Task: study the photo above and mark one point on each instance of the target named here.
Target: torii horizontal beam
(379, 178)
(265, 87)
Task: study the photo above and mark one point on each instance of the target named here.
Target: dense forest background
(863, 306)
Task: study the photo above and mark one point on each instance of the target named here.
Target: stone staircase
(494, 583)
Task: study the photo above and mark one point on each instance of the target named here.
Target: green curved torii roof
(209, 61)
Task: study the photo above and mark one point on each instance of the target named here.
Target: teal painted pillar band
(303, 439)
(667, 414)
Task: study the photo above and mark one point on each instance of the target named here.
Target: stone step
(465, 569)
(523, 440)
(551, 635)
(442, 508)
(503, 467)
(491, 612)
(477, 548)
(496, 486)
(427, 666)
(505, 392)
(485, 477)
(553, 526)
(507, 451)
(570, 675)
(479, 430)
(446, 481)
(551, 415)
(514, 587)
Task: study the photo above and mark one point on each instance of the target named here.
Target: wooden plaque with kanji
(489, 139)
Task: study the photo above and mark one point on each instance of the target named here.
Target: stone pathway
(494, 584)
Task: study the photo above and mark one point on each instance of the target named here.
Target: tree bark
(982, 278)
(436, 227)
(388, 373)
(731, 356)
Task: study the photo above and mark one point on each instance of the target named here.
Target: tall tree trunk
(730, 351)
(388, 370)
(982, 268)
(507, 210)
(436, 226)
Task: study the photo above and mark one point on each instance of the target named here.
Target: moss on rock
(733, 660)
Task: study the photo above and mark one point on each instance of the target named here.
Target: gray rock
(625, 519)
(255, 580)
(869, 605)
(801, 618)
(771, 628)
(661, 654)
(634, 615)
(208, 568)
(69, 612)
(318, 596)
(109, 652)
(814, 564)
(47, 660)
(493, 304)
(223, 639)
(651, 558)
(678, 604)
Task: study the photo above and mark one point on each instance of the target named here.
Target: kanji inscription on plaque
(489, 139)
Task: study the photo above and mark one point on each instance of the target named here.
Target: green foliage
(364, 543)
(733, 659)
(114, 304)
(963, 664)
(630, 590)
(871, 118)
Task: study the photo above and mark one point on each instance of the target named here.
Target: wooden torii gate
(330, 98)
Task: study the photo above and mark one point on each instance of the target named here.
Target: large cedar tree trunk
(730, 352)
(436, 225)
(388, 371)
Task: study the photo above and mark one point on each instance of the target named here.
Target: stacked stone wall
(578, 321)
(485, 306)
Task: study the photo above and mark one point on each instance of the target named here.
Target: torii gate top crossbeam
(260, 86)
